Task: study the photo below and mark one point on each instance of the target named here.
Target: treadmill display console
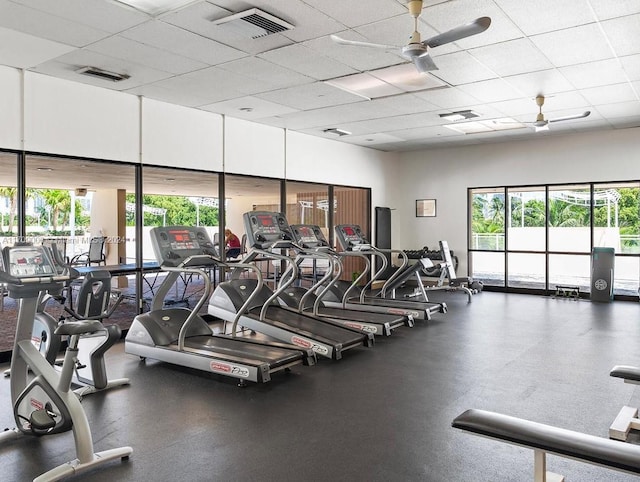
(308, 236)
(264, 228)
(173, 245)
(351, 238)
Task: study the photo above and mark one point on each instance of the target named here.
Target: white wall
(445, 174)
(172, 134)
(253, 149)
(63, 117)
(11, 102)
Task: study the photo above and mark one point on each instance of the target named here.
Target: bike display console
(265, 228)
(177, 245)
(27, 262)
(351, 238)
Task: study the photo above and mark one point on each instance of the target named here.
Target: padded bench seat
(546, 438)
(628, 373)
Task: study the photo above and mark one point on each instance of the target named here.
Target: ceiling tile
(371, 139)
(352, 14)
(593, 74)
(271, 76)
(307, 62)
(541, 82)
(605, 9)
(512, 57)
(631, 66)
(179, 97)
(178, 41)
(448, 98)
(228, 85)
(547, 15)
(617, 31)
(623, 109)
(142, 54)
(22, 50)
(579, 45)
(107, 16)
(248, 108)
(609, 94)
(493, 90)
(461, 68)
(521, 109)
(310, 96)
(41, 24)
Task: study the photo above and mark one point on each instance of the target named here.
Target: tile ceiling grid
(581, 54)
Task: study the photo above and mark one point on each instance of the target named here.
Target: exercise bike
(43, 402)
(93, 302)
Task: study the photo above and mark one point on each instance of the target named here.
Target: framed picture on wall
(426, 208)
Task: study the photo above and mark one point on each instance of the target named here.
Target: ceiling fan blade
(342, 41)
(479, 25)
(571, 117)
(424, 63)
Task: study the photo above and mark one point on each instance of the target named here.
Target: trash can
(602, 263)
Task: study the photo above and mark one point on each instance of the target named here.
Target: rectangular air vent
(254, 23)
(102, 74)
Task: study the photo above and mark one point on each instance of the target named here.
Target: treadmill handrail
(396, 273)
(192, 313)
(277, 292)
(332, 262)
(245, 307)
(362, 254)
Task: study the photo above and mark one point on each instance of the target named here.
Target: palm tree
(12, 194)
(59, 201)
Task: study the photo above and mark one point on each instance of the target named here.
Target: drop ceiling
(580, 54)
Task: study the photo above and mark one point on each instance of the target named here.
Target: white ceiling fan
(542, 124)
(417, 50)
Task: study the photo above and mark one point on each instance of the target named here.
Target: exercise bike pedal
(41, 421)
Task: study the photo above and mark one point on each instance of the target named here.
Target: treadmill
(314, 245)
(268, 232)
(182, 337)
(351, 239)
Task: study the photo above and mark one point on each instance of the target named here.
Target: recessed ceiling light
(156, 7)
(477, 127)
(394, 80)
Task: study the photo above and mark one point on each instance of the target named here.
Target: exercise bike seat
(71, 328)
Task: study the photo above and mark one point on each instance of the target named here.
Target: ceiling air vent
(102, 74)
(254, 23)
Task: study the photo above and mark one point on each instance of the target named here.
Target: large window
(9, 231)
(487, 235)
(550, 233)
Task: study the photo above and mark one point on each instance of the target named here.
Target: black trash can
(602, 264)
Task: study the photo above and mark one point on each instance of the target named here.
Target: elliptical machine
(44, 404)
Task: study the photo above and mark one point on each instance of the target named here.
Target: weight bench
(627, 419)
(545, 439)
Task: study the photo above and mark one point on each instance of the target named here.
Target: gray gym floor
(380, 414)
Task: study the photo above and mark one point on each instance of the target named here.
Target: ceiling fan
(542, 124)
(417, 50)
